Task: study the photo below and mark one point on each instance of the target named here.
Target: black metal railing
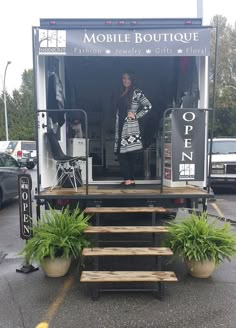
(86, 137)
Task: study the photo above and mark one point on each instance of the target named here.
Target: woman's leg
(132, 161)
(124, 166)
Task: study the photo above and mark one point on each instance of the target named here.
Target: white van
(24, 151)
(223, 165)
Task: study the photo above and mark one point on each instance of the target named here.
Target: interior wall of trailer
(47, 165)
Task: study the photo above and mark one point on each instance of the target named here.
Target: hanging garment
(55, 99)
(127, 132)
(187, 82)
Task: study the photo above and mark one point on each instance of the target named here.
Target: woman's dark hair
(133, 84)
(132, 78)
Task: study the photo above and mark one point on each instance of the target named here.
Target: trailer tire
(30, 166)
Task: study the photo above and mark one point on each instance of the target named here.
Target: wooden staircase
(99, 276)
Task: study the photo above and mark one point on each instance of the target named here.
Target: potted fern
(202, 243)
(57, 238)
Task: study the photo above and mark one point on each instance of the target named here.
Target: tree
(27, 81)
(20, 108)
(225, 106)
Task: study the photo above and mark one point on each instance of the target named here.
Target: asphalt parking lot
(33, 300)
(28, 300)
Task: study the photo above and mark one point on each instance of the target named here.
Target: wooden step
(126, 251)
(147, 209)
(126, 229)
(128, 276)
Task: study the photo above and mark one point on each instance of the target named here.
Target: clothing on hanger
(55, 99)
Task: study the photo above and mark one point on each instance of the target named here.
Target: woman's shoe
(129, 185)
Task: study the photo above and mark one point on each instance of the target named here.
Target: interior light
(188, 22)
(121, 22)
(52, 23)
(108, 22)
(133, 22)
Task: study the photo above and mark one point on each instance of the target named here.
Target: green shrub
(57, 234)
(195, 238)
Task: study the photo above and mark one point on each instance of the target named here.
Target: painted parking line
(42, 325)
(218, 210)
(53, 308)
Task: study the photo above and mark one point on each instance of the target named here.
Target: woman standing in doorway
(131, 106)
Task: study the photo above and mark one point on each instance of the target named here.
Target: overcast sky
(17, 18)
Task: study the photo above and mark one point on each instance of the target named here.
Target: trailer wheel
(30, 166)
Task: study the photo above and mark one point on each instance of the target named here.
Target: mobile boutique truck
(77, 68)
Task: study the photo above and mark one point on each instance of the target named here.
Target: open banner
(25, 205)
(188, 144)
(124, 42)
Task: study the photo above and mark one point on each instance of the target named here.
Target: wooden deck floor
(113, 191)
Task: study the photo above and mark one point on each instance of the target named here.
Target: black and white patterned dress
(127, 137)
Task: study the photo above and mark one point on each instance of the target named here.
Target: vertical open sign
(188, 144)
(25, 205)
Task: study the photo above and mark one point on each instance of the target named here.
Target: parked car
(24, 152)
(223, 167)
(10, 168)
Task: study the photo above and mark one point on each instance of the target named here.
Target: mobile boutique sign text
(138, 37)
(168, 42)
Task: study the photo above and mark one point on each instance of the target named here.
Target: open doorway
(93, 84)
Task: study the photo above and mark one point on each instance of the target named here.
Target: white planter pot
(57, 267)
(200, 269)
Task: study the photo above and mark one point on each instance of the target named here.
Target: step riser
(127, 251)
(128, 276)
(151, 209)
(125, 229)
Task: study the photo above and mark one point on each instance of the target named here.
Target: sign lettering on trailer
(25, 205)
(105, 42)
(138, 39)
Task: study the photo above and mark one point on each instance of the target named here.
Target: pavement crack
(16, 303)
(2, 256)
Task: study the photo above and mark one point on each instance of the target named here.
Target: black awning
(117, 23)
(194, 41)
